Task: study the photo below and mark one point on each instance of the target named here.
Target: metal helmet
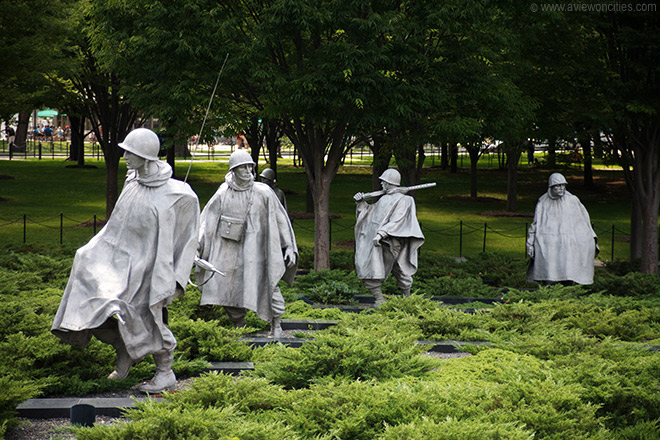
(391, 176)
(556, 179)
(142, 142)
(238, 158)
(268, 174)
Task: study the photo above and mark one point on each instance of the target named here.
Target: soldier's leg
(403, 281)
(164, 379)
(278, 311)
(236, 316)
(108, 333)
(375, 287)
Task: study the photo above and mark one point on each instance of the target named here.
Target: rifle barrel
(404, 189)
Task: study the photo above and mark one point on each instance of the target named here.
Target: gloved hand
(289, 257)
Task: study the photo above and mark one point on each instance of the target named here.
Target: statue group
(123, 279)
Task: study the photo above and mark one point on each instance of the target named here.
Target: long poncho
(395, 217)
(254, 265)
(136, 265)
(563, 241)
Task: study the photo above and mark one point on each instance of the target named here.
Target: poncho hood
(158, 173)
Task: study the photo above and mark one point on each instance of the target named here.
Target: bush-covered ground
(561, 363)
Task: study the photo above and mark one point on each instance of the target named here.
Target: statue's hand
(359, 197)
(289, 257)
(377, 239)
(530, 251)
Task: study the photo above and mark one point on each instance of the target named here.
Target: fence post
(612, 242)
(61, 226)
(94, 224)
(24, 227)
(485, 226)
(460, 239)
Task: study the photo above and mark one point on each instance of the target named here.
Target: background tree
(630, 45)
(32, 37)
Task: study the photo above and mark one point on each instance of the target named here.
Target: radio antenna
(192, 156)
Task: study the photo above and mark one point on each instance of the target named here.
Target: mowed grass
(45, 190)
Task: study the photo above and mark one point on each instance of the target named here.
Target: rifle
(401, 189)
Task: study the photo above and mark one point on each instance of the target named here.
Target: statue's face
(386, 185)
(243, 173)
(133, 161)
(558, 190)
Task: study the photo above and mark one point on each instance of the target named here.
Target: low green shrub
(498, 270)
(302, 310)
(630, 284)
(356, 352)
(621, 267)
(209, 340)
(305, 257)
(342, 259)
(332, 292)
(448, 286)
(155, 421)
(453, 429)
(14, 391)
(333, 286)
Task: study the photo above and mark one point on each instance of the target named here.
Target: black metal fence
(458, 231)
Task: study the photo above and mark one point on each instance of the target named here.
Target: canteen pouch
(231, 228)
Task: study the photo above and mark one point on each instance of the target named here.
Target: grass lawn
(49, 194)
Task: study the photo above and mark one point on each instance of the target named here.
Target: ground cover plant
(560, 362)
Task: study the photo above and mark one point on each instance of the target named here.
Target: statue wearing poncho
(561, 243)
(133, 268)
(262, 253)
(387, 238)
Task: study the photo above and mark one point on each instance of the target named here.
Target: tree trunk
(649, 257)
(636, 235)
(309, 199)
(513, 157)
(444, 160)
(322, 147)
(22, 130)
(169, 156)
(474, 159)
(598, 146)
(585, 143)
(552, 157)
(408, 159)
(255, 138)
(77, 150)
(272, 136)
(382, 155)
(649, 186)
(453, 157)
(321, 223)
(111, 187)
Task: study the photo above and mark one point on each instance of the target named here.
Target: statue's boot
(405, 291)
(124, 362)
(378, 294)
(236, 316)
(164, 379)
(276, 328)
(109, 334)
